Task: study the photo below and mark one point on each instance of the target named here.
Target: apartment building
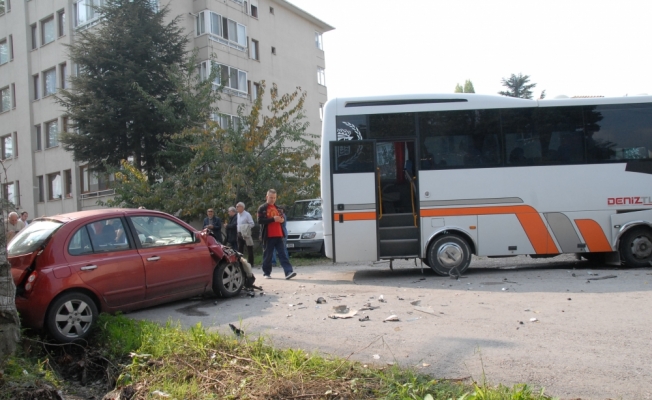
(252, 40)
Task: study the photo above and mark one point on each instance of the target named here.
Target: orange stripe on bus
(530, 220)
(593, 235)
(356, 216)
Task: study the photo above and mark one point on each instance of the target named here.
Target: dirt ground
(561, 324)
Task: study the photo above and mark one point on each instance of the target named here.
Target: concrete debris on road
(368, 307)
(603, 277)
(320, 300)
(381, 299)
(342, 312)
(426, 310)
(365, 318)
(534, 320)
(392, 318)
(415, 302)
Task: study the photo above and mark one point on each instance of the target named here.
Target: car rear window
(32, 237)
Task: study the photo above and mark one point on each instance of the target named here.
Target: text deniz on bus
(614, 201)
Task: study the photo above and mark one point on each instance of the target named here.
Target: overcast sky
(570, 47)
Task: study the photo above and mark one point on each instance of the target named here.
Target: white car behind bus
(305, 227)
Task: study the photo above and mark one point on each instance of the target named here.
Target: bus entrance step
(405, 219)
(398, 232)
(399, 247)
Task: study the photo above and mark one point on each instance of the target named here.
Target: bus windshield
(305, 210)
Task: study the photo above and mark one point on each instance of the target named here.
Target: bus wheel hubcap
(641, 247)
(450, 255)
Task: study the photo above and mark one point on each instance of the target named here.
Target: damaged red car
(70, 267)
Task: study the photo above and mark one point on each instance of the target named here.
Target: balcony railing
(99, 193)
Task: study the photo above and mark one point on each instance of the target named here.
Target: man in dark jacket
(232, 229)
(270, 220)
(214, 225)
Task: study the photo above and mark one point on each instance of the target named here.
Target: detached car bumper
(305, 246)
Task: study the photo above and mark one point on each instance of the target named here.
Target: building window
(11, 47)
(51, 134)
(230, 77)
(41, 189)
(54, 186)
(64, 124)
(7, 144)
(222, 29)
(39, 142)
(255, 50)
(5, 99)
(273, 50)
(4, 51)
(254, 11)
(271, 10)
(227, 121)
(61, 22)
(35, 81)
(2, 7)
(49, 82)
(85, 11)
(13, 95)
(62, 75)
(256, 90)
(47, 31)
(321, 111)
(67, 183)
(10, 192)
(92, 181)
(318, 41)
(321, 76)
(34, 31)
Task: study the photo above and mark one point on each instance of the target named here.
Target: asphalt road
(548, 322)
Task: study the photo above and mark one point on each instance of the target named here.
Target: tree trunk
(9, 322)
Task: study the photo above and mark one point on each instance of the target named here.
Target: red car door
(107, 261)
(175, 263)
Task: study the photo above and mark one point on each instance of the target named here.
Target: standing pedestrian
(13, 226)
(214, 225)
(281, 210)
(23, 217)
(232, 228)
(245, 225)
(270, 220)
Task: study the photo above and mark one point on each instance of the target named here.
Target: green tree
(518, 86)
(234, 163)
(136, 87)
(467, 88)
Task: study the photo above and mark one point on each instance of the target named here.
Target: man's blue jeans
(278, 245)
(285, 246)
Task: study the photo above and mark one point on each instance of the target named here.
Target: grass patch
(145, 360)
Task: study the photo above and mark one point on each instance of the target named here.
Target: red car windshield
(32, 237)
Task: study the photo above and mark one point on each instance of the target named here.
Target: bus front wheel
(449, 255)
(636, 247)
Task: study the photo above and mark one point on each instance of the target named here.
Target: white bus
(442, 177)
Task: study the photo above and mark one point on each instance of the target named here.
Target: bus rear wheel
(636, 248)
(449, 255)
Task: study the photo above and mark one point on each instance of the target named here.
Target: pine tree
(136, 86)
(468, 87)
(459, 88)
(517, 86)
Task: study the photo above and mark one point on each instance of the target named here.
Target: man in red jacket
(270, 219)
